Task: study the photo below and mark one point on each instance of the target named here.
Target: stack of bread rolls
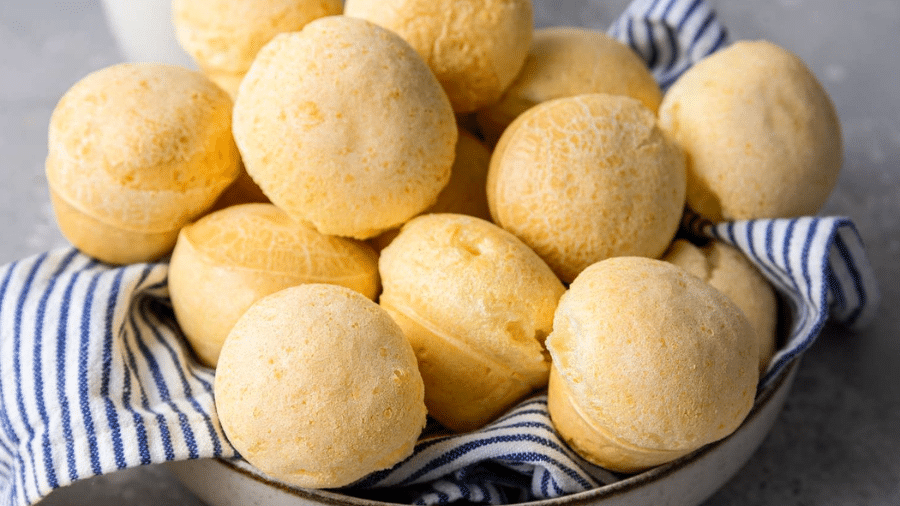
(432, 207)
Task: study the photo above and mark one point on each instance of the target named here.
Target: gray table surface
(837, 441)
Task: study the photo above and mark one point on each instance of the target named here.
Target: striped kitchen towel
(95, 376)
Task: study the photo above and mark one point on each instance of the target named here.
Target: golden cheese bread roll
(476, 305)
(231, 258)
(584, 178)
(566, 61)
(762, 137)
(223, 36)
(474, 47)
(242, 191)
(649, 364)
(317, 387)
(729, 271)
(343, 125)
(135, 152)
(465, 192)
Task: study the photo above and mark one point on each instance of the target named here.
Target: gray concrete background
(837, 442)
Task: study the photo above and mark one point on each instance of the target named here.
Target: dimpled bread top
(567, 61)
(475, 47)
(343, 125)
(729, 271)
(478, 284)
(654, 356)
(584, 178)
(762, 137)
(316, 386)
(145, 147)
(223, 36)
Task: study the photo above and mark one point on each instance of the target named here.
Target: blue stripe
(835, 288)
(532, 456)
(132, 369)
(5, 423)
(755, 256)
(38, 339)
(855, 276)
(786, 261)
(109, 336)
(653, 55)
(62, 375)
(149, 360)
(146, 313)
(17, 368)
(545, 478)
(461, 450)
(804, 255)
(701, 31)
(720, 41)
(83, 377)
(675, 52)
(687, 15)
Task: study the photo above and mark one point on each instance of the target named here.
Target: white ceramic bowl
(687, 481)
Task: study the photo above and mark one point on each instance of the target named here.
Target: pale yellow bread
(317, 387)
(242, 191)
(136, 151)
(762, 137)
(343, 125)
(650, 363)
(474, 47)
(465, 192)
(229, 259)
(476, 305)
(566, 61)
(729, 271)
(584, 178)
(223, 36)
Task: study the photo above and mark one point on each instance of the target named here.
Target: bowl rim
(334, 497)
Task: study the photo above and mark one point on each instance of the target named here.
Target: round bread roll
(476, 305)
(729, 271)
(762, 137)
(649, 364)
(231, 258)
(464, 193)
(135, 152)
(568, 61)
(317, 387)
(474, 47)
(242, 191)
(584, 178)
(343, 125)
(223, 36)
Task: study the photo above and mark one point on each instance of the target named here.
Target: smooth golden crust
(141, 149)
(729, 271)
(475, 303)
(756, 126)
(475, 48)
(652, 357)
(224, 36)
(569, 61)
(317, 387)
(343, 125)
(584, 178)
(229, 259)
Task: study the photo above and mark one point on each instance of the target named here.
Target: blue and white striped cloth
(95, 376)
